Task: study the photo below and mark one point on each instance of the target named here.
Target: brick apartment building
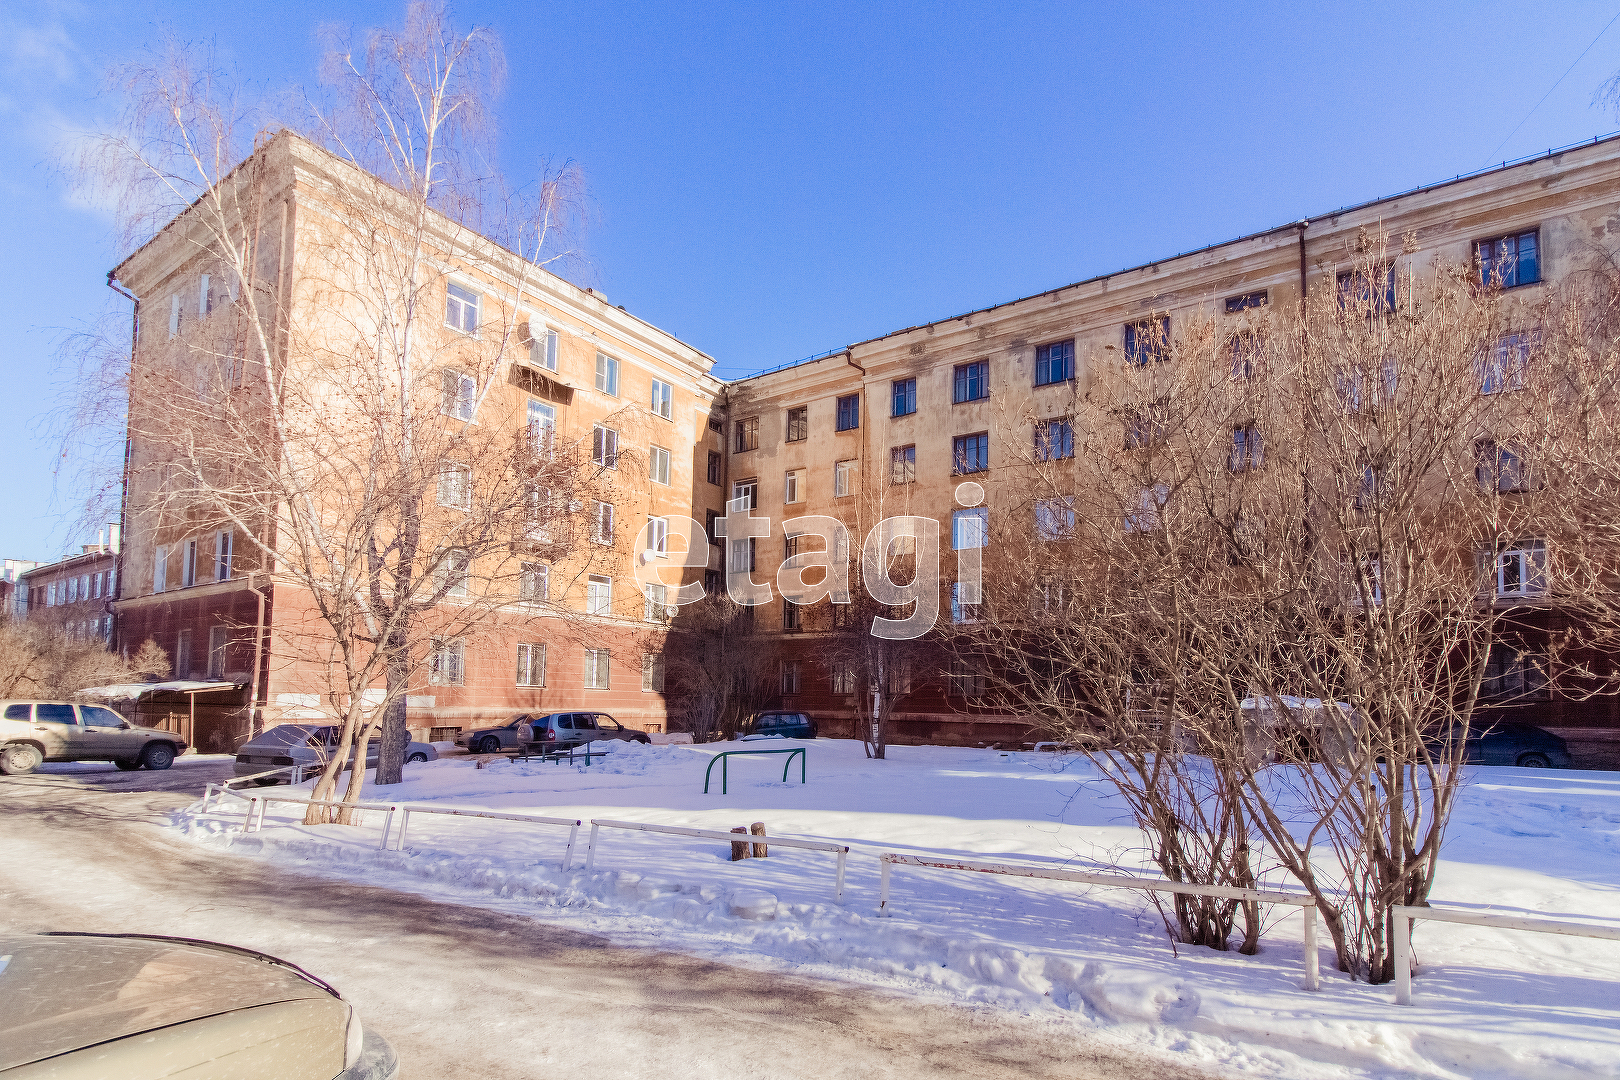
(77, 591)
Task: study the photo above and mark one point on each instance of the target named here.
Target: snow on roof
(133, 691)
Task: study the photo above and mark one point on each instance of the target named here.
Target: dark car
(788, 725)
(554, 731)
(1524, 745)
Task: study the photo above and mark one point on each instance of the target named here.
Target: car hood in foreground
(71, 991)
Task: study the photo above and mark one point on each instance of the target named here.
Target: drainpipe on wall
(123, 494)
(258, 654)
(1304, 224)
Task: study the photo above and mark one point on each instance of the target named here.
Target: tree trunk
(739, 849)
(395, 737)
(758, 829)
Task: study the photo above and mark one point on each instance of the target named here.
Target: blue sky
(769, 181)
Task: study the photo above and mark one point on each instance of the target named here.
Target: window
(658, 465)
(1248, 449)
(715, 425)
(599, 595)
(222, 558)
(542, 427)
(710, 517)
(1361, 291)
(1499, 467)
(843, 479)
(970, 382)
(182, 655)
(1513, 672)
(203, 305)
(655, 603)
(849, 412)
(455, 487)
(714, 468)
(72, 585)
(843, 676)
(1147, 340)
(452, 573)
(903, 465)
(970, 528)
(967, 680)
(970, 453)
(743, 555)
(747, 435)
(461, 308)
(790, 619)
(188, 564)
(652, 673)
(1510, 261)
(1367, 572)
(1245, 350)
(1502, 368)
(1054, 440)
(791, 545)
(960, 612)
(534, 582)
(596, 669)
(605, 447)
(658, 536)
(905, 397)
(1235, 304)
(1054, 363)
(746, 489)
(790, 676)
(1148, 515)
(1374, 488)
(798, 424)
(218, 639)
(174, 315)
(602, 523)
(1054, 518)
(1147, 426)
(542, 347)
(95, 586)
(1521, 569)
(1352, 386)
(713, 583)
(160, 573)
(607, 375)
(531, 664)
(663, 399)
(447, 662)
(458, 394)
(793, 486)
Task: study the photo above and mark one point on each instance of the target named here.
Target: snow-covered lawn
(1488, 1003)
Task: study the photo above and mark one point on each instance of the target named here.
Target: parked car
(139, 1007)
(788, 725)
(32, 732)
(554, 731)
(1524, 745)
(310, 745)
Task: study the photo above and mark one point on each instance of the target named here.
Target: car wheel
(490, 745)
(1534, 761)
(417, 757)
(266, 781)
(642, 738)
(127, 764)
(19, 760)
(158, 756)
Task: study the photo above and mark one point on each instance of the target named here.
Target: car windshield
(778, 720)
(287, 735)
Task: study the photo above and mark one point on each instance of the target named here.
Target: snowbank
(1490, 1004)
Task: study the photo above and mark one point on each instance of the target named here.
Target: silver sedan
(309, 745)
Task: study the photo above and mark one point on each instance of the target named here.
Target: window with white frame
(174, 315)
(602, 523)
(793, 486)
(658, 465)
(447, 662)
(542, 347)
(663, 399)
(597, 670)
(790, 676)
(970, 528)
(1500, 467)
(534, 582)
(461, 308)
(458, 394)
(843, 679)
(188, 564)
(599, 595)
(743, 555)
(607, 375)
(542, 427)
(1366, 580)
(655, 603)
(746, 489)
(1054, 518)
(1503, 366)
(960, 612)
(455, 486)
(160, 572)
(843, 479)
(903, 465)
(1521, 569)
(452, 573)
(531, 664)
(658, 537)
(222, 558)
(652, 673)
(605, 447)
(538, 506)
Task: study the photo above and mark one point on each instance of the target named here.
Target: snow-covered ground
(1488, 1003)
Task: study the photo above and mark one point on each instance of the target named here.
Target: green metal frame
(786, 765)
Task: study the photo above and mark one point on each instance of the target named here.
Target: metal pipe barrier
(224, 788)
(1313, 978)
(842, 850)
(1405, 916)
(724, 754)
(405, 821)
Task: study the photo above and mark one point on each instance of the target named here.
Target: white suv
(36, 731)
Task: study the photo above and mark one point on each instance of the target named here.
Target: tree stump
(758, 829)
(739, 849)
